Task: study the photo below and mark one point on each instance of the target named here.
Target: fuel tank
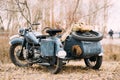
(31, 38)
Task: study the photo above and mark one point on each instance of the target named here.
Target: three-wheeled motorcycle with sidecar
(27, 48)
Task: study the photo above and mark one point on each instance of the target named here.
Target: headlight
(21, 31)
(61, 54)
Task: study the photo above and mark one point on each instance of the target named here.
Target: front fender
(16, 40)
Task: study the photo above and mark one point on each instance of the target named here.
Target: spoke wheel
(55, 68)
(93, 62)
(16, 55)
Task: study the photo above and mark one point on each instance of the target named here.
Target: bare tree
(68, 30)
(19, 12)
(28, 19)
(105, 15)
(1, 24)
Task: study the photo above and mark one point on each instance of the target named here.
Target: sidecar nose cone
(61, 54)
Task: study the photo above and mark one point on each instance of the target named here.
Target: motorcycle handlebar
(30, 28)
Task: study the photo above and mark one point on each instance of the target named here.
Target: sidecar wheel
(87, 36)
(93, 62)
(15, 56)
(54, 69)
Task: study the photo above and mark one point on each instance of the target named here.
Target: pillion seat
(53, 32)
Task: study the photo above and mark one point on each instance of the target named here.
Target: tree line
(53, 13)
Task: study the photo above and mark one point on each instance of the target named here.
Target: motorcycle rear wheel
(56, 68)
(15, 50)
(93, 62)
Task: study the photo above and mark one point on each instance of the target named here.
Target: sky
(114, 16)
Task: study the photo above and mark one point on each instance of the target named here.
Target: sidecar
(85, 45)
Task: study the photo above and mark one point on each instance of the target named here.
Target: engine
(32, 53)
(36, 54)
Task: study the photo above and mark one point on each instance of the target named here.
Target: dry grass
(111, 49)
(4, 49)
(75, 70)
(112, 52)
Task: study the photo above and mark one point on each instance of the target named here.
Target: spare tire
(87, 36)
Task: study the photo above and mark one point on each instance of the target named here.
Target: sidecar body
(88, 48)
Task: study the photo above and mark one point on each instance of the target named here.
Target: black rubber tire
(56, 68)
(98, 63)
(14, 59)
(98, 36)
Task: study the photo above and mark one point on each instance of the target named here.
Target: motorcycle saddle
(52, 32)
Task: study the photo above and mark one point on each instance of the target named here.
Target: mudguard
(16, 40)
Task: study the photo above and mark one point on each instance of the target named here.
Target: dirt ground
(74, 70)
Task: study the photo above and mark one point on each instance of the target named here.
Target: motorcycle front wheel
(93, 62)
(56, 67)
(16, 55)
